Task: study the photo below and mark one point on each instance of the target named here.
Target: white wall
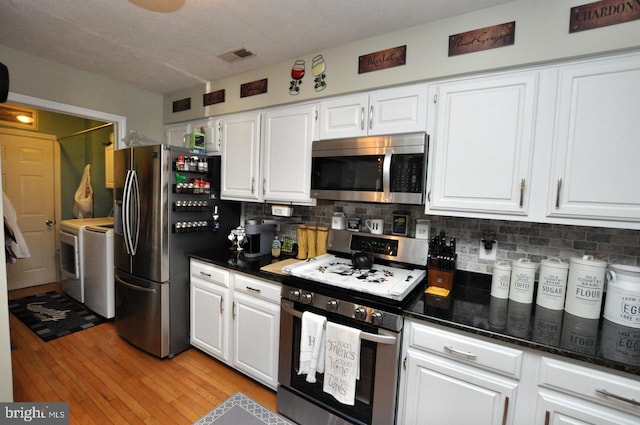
(38, 78)
(542, 35)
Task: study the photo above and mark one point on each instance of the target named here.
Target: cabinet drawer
(257, 288)
(483, 354)
(209, 273)
(601, 387)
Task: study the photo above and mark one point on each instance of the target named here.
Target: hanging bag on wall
(83, 199)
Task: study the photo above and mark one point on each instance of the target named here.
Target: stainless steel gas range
(369, 299)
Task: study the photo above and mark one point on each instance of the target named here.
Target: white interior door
(28, 182)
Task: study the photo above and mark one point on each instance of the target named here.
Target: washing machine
(99, 282)
(72, 251)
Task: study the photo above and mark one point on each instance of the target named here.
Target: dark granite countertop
(471, 308)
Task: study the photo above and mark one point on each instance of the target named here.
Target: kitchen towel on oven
(342, 362)
(312, 342)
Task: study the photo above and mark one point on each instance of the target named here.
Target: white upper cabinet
(240, 178)
(288, 135)
(388, 111)
(596, 142)
(481, 144)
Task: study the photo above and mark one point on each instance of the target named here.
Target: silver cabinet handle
(370, 117)
(264, 185)
(253, 182)
(522, 187)
(506, 411)
(233, 310)
(362, 118)
(558, 193)
(453, 350)
(249, 288)
(606, 393)
(205, 274)
(221, 304)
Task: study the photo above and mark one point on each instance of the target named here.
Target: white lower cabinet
(451, 377)
(236, 319)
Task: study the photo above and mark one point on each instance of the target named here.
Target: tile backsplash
(515, 239)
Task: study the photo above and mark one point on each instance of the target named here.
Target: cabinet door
(482, 143)
(209, 307)
(344, 117)
(241, 158)
(398, 110)
(440, 391)
(595, 171)
(175, 134)
(287, 154)
(560, 409)
(256, 327)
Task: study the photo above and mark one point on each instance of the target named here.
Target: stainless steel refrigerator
(162, 212)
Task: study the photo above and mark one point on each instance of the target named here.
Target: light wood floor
(105, 380)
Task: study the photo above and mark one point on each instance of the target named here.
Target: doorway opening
(64, 188)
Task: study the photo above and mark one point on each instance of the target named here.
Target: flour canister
(585, 286)
(622, 304)
(552, 283)
(523, 277)
(501, 279)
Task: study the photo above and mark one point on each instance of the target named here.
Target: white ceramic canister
(585, 286)
(523, 277)
(338, 221)
(622, 304)
(501, 279)
(552, 283)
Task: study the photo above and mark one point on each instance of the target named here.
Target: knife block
(440, 278)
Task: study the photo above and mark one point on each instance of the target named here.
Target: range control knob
(294, 295)
(332, 305)
(376, 318)
(306, 298)
(360, 313)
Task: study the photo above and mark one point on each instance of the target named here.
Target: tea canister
(622, 304)
(501, 279)
(523, 276)
(585, 286)
(552, 283)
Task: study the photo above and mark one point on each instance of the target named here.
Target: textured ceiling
(163, 52)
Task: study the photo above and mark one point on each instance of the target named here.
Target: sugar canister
(552, 283)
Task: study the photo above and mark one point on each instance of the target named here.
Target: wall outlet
(486, 254)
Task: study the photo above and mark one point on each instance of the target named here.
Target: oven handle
(366, 336)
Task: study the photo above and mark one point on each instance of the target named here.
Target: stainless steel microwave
(385, 169)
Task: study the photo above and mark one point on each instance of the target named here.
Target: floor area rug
(241, 410)
(52, 315)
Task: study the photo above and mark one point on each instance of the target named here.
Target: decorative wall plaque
(213, 97)
(253, 88)
(182, 105)
(383, 59)
(482, 39)
(603, 13)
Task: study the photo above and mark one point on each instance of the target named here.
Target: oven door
(69, 256)
(376, 390)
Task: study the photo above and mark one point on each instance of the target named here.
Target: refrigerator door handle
(136, 197)
(126, 218)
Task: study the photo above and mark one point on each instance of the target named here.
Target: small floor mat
(52, 315)
(240, 409)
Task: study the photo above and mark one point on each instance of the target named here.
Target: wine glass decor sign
(318, 68)
(297, 73)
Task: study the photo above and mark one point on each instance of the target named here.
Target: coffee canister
(501, 279)
(585, 286)
(622, 304)
(552, 283)
(523, 277)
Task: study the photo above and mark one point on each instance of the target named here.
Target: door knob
(49, 223)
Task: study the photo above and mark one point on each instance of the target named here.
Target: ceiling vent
(236, 55)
